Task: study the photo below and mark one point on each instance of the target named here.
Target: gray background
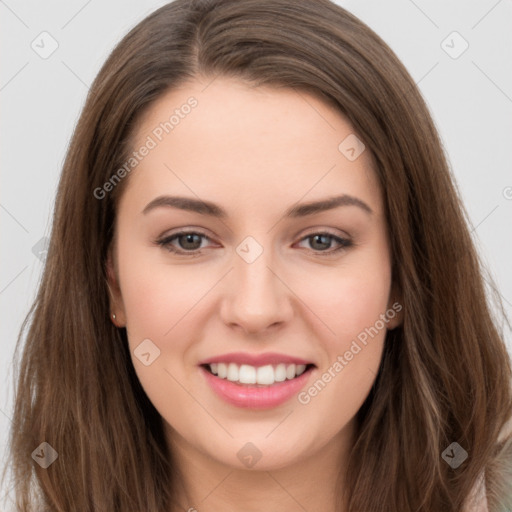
(469, 94)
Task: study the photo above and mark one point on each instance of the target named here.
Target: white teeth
(247, 374)
(232, 372)
(301, 368)
(265, 375)
(262, 375)
(280, 373)
(222, 370)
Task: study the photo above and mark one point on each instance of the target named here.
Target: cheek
(352, 303)
(364, 299)
(157, 296)
(160, 303)
(348, 299)
(353, 354)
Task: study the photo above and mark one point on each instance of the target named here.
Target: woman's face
(272, 280)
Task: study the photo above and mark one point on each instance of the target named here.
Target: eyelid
(328, 231)
(165, 240)
(186, 230)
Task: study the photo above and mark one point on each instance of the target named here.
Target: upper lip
(255, 359)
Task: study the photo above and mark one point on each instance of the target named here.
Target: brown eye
(322, 242)
(188, 242)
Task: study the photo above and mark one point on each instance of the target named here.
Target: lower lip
(252, 397)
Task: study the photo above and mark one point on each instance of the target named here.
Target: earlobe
(116, 313)
(395, 310)
(395, 314)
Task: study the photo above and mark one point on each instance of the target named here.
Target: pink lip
(255, 359)
(253, 397)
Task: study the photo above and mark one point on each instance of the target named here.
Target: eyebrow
(211, 209)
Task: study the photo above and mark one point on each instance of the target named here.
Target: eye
(189, 242)
(321, 242)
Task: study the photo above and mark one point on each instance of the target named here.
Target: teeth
(265, 375)
(232, 372)
(280, 373)
(222, 370)
(262, 375)
(247, 374)
(301, 368)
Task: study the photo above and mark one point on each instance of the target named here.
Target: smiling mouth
(257, 376)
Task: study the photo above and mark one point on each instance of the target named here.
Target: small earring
(113, 316)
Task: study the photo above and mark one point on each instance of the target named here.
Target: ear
(115, 297)
(395, 309)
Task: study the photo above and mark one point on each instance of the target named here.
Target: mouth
(256, 382)
(257, 376)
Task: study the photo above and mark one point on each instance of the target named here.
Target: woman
(257, 367)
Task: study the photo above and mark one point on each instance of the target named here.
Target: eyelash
(166, 243)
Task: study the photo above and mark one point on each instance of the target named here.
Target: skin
(255, 152)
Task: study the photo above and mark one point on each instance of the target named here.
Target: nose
(256, 297)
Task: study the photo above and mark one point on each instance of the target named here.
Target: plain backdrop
(459, 53)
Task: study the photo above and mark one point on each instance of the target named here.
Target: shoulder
(506, 431)
(477, 501)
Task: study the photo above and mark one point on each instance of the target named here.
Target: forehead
(227, 141)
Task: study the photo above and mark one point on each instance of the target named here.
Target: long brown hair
(445, 375)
